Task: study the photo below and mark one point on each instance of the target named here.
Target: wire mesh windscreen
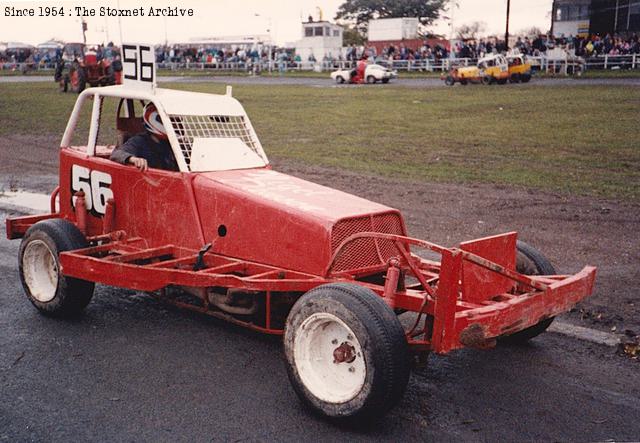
(188, 127)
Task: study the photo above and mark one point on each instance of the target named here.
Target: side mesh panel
(188, 127)
(365, 252)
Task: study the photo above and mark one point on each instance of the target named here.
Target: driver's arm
(129, 154)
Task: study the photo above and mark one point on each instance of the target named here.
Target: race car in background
(490, 69)
(373, 73)
(519, 68)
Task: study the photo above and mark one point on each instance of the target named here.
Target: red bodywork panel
(275, 234)
(265, 216)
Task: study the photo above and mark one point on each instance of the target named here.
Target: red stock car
(230, 237)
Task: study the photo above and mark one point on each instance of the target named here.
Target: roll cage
(186, 116)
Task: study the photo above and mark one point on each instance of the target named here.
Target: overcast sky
(216, 18)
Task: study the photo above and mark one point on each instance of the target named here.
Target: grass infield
(567, 139)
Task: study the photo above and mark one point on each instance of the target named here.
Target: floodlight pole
(506, 33)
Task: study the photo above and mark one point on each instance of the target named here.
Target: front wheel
(530, 261)
(339, 80)
(371, 79)
(346, 353)
(46, 287)
(487, 80)
(449, 81)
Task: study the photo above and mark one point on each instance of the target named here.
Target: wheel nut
(334, 342)
(349, 337)
(352, 369)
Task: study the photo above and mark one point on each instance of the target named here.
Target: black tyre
(82, 80)
(514, 78)
(502, 81)
(487, 80)
(51, 292)
(530, 261)
(525, 78)
(463, 81)
(449, 81)
(371, 79)
(346, 353)
(340, 79)
(385, 80)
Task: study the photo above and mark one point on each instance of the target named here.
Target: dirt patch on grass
(571, 231)
(29, 162)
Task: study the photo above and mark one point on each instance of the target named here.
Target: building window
(634, 17)
(336, 33)
(566, 13)
(318, 31)
(308, 32)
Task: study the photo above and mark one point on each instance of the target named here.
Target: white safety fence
(563, 66)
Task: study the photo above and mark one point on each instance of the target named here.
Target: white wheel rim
(329, 358)
(40, 271)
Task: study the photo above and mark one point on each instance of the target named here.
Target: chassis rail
(467, 299)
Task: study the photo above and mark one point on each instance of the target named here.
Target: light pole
(268, 32)
(506, 33)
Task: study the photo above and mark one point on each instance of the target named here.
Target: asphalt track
(429, 82)
(133, 369)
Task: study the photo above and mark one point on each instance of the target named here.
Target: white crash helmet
(152, 122)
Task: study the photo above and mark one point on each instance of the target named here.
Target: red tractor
(84, 69)
(229, 237)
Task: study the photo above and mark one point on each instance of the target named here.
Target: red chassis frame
(469, 298)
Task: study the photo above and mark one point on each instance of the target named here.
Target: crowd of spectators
(607, 45)
(250, 57)
(46, 57)
(391, 53)
(586, 47)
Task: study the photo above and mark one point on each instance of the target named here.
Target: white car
(372, 74)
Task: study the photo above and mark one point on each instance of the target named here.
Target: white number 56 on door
(95, 185)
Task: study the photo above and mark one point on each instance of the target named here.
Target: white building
(319, 39)
(393, 29)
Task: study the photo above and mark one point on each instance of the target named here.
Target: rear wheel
(525, 78)
(487, 80)
(514, 78)
(82, 80)
(346, 353)
(51, 292)
(530, 261)
(385, 80)
(64, 83)
(339, 79)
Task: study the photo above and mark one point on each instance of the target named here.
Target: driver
(151, 149)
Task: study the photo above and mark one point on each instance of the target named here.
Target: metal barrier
(567, 66)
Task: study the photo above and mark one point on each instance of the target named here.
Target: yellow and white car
(491, 69)
(519, 68)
